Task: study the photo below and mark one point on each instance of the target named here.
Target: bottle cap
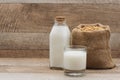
(60, 18)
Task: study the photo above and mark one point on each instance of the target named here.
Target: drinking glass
(75, 60)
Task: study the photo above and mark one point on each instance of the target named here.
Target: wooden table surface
(38, 69)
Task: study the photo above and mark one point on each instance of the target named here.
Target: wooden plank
(115, 41)
(40, 17)
(24, 53)
(24, 41)
(116, 53)
(43, 53)
(60, 1)
(19, 18)
(39, 41)
(36, 69)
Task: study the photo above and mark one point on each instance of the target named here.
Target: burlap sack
(97, 42)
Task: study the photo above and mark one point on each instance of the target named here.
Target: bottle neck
(59, 23)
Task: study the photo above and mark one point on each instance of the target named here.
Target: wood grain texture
(38, 41)
(27, 26)
(40, 17)
(56, 76)
(116, 53)
(24, 41)
(38, 69)
(42, 66)
(115, 41)
(43, 53)
(60, 1)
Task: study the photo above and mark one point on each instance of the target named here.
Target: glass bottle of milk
(59, 38)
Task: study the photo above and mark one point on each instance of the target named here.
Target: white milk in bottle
(59, 38)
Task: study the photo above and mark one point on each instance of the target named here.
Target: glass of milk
(75, 60)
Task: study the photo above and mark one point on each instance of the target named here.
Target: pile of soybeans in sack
(96, 38)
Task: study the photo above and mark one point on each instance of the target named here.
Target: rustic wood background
(24, 28)
(60, 1)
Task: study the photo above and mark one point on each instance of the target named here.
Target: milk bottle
(58, 39)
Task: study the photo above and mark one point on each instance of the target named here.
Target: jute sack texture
(97, 42)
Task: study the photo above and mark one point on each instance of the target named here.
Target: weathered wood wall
(60, 1)
(24, 28)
